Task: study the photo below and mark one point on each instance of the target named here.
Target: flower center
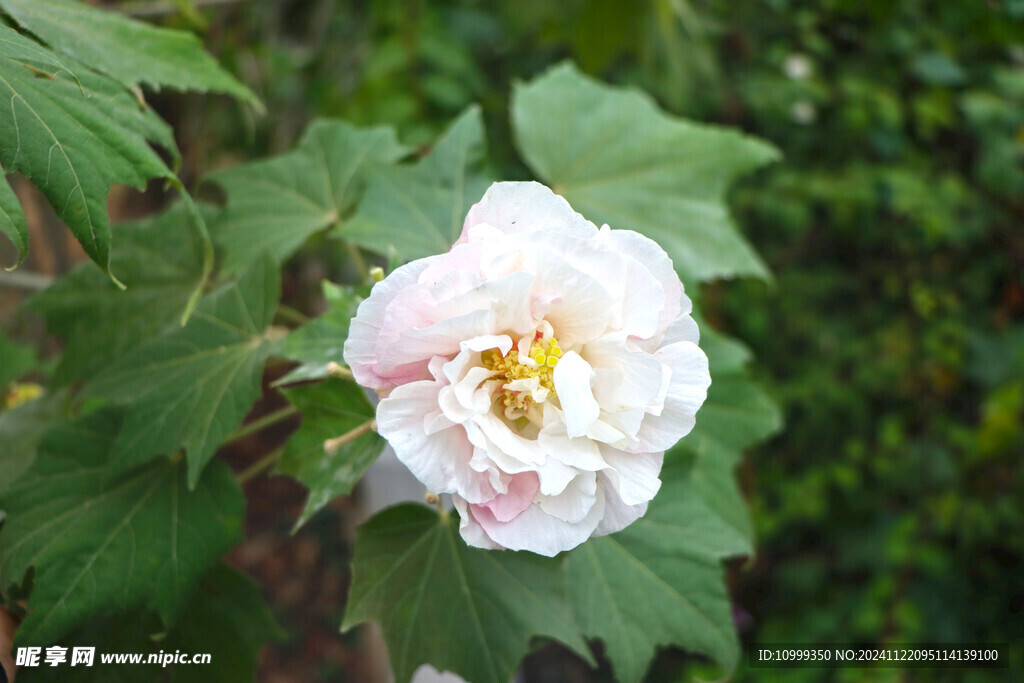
(527, 381)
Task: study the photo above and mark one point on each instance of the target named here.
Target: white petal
(574, 503)
(439, 460)
(525, 207)
(537, 531)
(686, 393)
(583, 308)
(581, 453)
(653, 258)
(573, 377)
(634, 475)
(617, 515)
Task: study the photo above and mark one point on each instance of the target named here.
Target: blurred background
(891, 507)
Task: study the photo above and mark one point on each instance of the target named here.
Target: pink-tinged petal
(440, 460)
(573, 377)
(574, 503)
(472, 533)
(537, 531)
(686, 393)
(521, 490)
(362, 348)
(617, 515)
(494, 306)
(634, 475)
(525, 207)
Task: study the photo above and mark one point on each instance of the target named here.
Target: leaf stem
(292, 315)
(279, 415)
(358, 261)
(260, 465)
(332, 445)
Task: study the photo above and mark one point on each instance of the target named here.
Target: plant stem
(279, 415)
(332, 445)
(260, 465)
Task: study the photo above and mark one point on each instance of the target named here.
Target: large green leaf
(277, 203)
(418, 210)
(159, 259)
(190, 387)
(103, 537)
(469, 611)
(130, 51)
(21, 430)
(322, 341)
(659, 581)
(329, 410)
(12, 220)
(226, 618)
(74, 137)
(229, 619)
(620, 160)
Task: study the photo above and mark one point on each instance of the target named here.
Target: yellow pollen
(517, 402)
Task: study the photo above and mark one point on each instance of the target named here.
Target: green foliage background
(892, 506)
(892, 332)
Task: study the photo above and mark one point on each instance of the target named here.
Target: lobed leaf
(618, 159)
(104, 537)
(13, 223)
(276, 204)
(321, 341)
(129, 51)
(469, 611)
(418, 210)
(75, 137)
(226, 618)
(190, 387)
(329, 410)
(161, 263)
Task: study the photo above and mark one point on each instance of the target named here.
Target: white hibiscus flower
(537, 372)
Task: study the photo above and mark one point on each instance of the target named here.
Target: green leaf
(12, 221)
(469, 611)
(329, 410)
(104, 538)
(228, 618)
(127, 50)
(161, 262)
(659, 581)
(21, 430)
(15, 46)
(321, 341)
(419, 210)
(620, 160)
(276, 204)
(737, 413)
(191, 386)
(17, 360)
(75, 137)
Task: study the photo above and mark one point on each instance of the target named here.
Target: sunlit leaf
(618, 159)
(418, 210)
